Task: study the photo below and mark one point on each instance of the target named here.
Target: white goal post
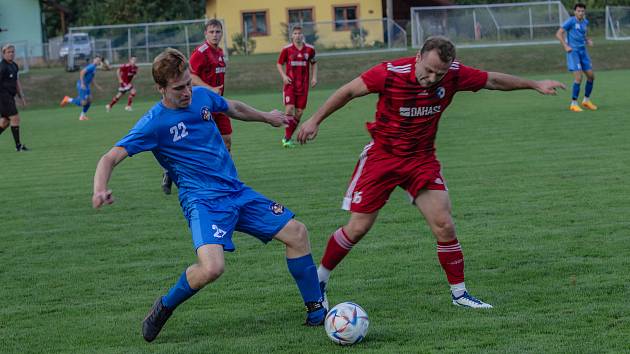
(618, 22)
(489, 25)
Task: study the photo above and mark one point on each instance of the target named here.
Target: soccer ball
(347, 323)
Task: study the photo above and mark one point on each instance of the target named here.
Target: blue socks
(86, 107)
(179, 293)
(576, 91)
(588, 89)
(304, 272)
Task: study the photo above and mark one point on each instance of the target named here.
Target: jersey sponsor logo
(419, 111)
(205, 113)
(218, 233)
(297, 63)
(219, 70)
(440, 92)
(276, 208)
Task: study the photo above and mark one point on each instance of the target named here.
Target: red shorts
(291, 98)
(223, 123)
(377, 174)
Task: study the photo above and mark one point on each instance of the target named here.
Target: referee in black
(9, 88)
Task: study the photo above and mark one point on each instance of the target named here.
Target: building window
(345, 18)
(300, 16)
(255, 23)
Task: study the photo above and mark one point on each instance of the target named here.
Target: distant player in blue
(84, 97)
(182, 135)
(578, 61)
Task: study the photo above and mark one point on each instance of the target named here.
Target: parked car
(81, 46)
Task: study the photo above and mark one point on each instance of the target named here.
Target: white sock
(458, 289)
(586, 99)
(323, 274)
(574, 103)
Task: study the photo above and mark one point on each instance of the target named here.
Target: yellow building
(266, 21)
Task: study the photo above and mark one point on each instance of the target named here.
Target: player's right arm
(104, 169)
(562, 32)
(119, 75)
(196, 81)
(353, 89)
(282, 59)
(81, 78)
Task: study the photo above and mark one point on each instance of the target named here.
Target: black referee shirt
(8, 77)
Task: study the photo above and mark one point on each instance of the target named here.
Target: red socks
(338, 247)
(452, 260)
(290, 129)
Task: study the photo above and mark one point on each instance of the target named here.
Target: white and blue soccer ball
(347, 323)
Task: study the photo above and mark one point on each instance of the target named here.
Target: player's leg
(266, 220)
(115, 99)
(211, 230)
(15, 130)
(132, 94)
(575, 67)
(435, 205)
(167, 182)
(209, 267)
(298, 110)
(4, 123)
(301, 266)
(587, 67)
(288, 97)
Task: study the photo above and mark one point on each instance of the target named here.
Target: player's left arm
(506, 82)
(244, 112)
(20, 93)
(314, 73)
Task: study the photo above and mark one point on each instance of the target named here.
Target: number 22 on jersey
(179, 131)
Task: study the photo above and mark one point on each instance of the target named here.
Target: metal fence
(117, 43)
(489, 25)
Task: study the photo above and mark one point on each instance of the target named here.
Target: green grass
(539, 196)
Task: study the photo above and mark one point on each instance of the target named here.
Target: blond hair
(168, 65)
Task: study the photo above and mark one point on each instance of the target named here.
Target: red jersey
(298, 66)
(127, 72)
(208, 63)
(407, 115)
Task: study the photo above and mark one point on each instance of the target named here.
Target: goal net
(489, 25)
(618, 22)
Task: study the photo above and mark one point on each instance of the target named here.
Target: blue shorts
(83, 94)
(214, 221)
(578, 60)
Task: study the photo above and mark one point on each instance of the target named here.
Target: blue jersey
(188, 144)
(576, 32)
(90, 70)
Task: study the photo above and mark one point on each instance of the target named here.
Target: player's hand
(589, 42)
(567, 49)
(276, 118)
(549, 87)
(23, 101)
(313, 82)
(216, 89)
(286, 80)
(83, 87)
(308, 131)
(102, 198)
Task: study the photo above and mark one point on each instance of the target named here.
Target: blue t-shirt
(576, 32)
(90, 70)
(188, 144)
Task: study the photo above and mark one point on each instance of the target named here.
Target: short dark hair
(580, 5)
(170, 64)
(298, 27)
(444, 47)
(213, 22)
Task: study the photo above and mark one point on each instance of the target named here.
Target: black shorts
(7, 105)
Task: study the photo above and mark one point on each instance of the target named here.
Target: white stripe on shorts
(347, 200)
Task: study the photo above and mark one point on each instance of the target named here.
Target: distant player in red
(413, 93)
(125, 74)
(207, 69)
(298, 58)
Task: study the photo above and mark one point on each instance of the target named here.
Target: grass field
(540, 198)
